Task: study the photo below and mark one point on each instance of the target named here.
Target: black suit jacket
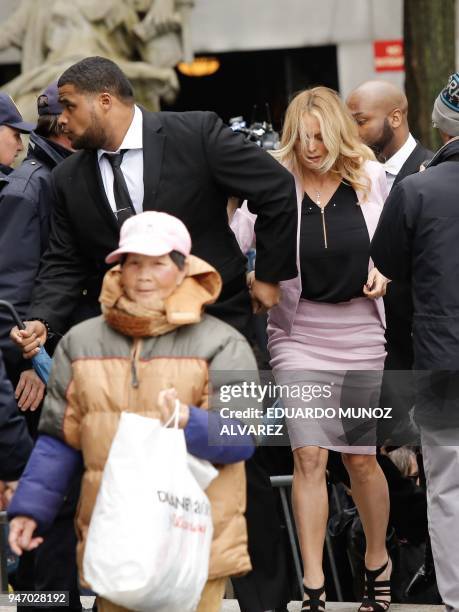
(192, 163)
(418, 156)
(398, 301)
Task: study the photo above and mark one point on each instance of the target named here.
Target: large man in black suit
(186, 164)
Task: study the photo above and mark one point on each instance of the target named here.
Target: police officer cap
(48, 102)
(10, 115)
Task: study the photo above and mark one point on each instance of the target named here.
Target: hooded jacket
(417, 238)
(100, 372)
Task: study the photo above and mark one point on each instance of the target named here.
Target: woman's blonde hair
(346, 153)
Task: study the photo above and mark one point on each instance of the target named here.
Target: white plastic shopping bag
(149, 539)
(203, 471)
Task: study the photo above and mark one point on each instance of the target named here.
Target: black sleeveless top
(334, 248)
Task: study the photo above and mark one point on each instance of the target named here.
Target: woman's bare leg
(310, 507)
(371, 495)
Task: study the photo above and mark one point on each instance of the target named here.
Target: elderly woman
(151, 345)
(327, 333)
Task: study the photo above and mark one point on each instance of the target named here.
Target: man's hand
(21, 535)
(29, 339)
(166, 404)
(264, 295)
(376, 285)
(30, 391)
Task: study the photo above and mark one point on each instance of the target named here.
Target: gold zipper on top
(324, 227)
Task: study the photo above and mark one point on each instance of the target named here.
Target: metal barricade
(283, 483)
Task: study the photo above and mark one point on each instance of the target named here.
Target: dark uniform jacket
(192, 163)
(25, 206)
(15, 442)
(417, 238)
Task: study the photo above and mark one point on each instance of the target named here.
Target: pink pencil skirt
(329, 372)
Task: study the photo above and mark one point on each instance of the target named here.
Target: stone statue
(25, 29)
(57, 33)
(164, 32)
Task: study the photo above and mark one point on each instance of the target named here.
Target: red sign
(389, 55)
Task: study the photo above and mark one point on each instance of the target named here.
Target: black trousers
(267, 586)
(397, 389)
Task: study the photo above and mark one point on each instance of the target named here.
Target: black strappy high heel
(375, 592)
(314, 603)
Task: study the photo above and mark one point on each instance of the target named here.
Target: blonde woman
(327, 333)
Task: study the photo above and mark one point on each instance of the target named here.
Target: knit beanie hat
(445, 114)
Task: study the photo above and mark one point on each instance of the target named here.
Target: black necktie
(124, 206)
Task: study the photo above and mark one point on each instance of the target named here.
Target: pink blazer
(243, 224)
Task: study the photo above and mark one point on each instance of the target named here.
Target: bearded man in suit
(130, 160)
(381, 112)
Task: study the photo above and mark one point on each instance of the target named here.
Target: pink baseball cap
(152, 233)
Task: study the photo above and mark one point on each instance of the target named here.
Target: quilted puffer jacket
(99, 372)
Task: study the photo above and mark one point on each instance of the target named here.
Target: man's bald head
(381, 112)
(379, 94)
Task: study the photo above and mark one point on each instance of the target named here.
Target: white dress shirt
(131, 166)
(394, 164)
